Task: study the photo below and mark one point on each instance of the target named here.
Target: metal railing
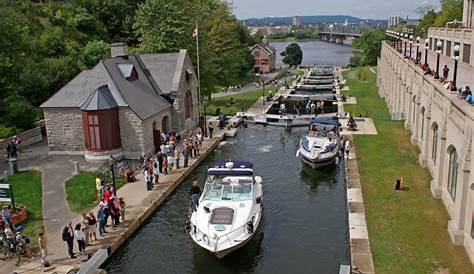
(215, 242)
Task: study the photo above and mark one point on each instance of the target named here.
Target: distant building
(265, 57)
(296, 21)
(394, 20)
(121, 106)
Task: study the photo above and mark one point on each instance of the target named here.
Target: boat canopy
(324, 121)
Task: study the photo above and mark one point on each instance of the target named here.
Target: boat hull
(319, 161)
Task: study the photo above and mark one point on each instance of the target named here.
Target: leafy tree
(450, 10)
(370, 43)
(18, 112)
(162, 26)
(293, 56)
(93, 52)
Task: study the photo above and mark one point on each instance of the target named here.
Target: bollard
(75, 165)
(13, 166)
(402, 184)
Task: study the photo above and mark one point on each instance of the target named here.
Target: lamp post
(427, 45)
(417, 59)
(205, 102)
(411, 44)
(112, 169)
(406, 39)
(456, 50)
(399, 42)
(438, 52)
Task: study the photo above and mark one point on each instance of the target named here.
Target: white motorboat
(230, 208)
(321, 146)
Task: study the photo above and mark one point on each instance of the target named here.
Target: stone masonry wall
(64, 130)
(148, 139)
(131, 133)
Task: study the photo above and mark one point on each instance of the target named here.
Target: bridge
(338, 33)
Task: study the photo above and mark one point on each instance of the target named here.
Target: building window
(431, 43)
(466, 53)
(165, 124)
(94, 132)
(453, 173)
(448, 48)
(422, 122)
(434, 149)
(414, 111)
(101, 130)
(442, 45)
(188, 105)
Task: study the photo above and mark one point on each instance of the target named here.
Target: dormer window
(188, 74)
(128, 72)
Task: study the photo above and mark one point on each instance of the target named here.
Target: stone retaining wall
(29, 137)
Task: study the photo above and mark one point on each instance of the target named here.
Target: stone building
(442, 126)
(122, 105)
(265, 57)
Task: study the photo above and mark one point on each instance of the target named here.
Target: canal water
(318, 52)
(304, 228)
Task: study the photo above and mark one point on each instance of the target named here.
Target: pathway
(140, 203)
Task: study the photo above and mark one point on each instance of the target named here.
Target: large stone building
(122, 105)
(265, 57)
(442, 125)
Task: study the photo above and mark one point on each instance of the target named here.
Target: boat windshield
(228, 188)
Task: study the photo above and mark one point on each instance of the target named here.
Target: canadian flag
(195, 32)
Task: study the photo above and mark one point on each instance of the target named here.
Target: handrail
(216, 240)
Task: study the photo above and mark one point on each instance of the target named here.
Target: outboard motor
(258, 200)
(250, 227)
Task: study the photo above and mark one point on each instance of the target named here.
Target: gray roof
(100, 99)
(162, 67)
(266, 47)
(158, 74)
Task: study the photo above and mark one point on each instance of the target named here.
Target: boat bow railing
(215, 242)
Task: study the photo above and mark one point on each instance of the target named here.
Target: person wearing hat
(23, 241)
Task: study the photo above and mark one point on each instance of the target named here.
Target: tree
(93, 52)
(162, 26)
(293, 56)
(370, 43)
(450, 10)
(18, 112)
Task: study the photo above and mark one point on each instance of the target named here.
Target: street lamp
(112, 169)
(411, 43)
(417, 50)
(456, 50)
(438, 52)
(406, 39)
(427, 45)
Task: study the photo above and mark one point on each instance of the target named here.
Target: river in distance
(318, 52)
(304, 228)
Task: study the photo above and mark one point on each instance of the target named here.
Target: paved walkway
(57, 169)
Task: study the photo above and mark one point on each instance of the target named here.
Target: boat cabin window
(227, 188)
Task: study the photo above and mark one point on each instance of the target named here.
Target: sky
(371, 9)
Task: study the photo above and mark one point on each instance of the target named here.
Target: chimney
(118, 50)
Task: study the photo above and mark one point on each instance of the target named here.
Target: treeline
(44, 45)
(367, 48)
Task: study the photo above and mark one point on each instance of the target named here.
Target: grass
(27, 191)
(408, 230)
(81, 193)
(244, 100)
(7, 131)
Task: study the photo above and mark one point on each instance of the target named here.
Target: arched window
(434, 148)
(453, 173)
(422, 122)
(188, 105)
(414, 111)
(165, 124)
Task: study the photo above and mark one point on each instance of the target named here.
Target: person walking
(6, 216)
(156, 173)
(170, 161)
(85, 227)
(195, 193)
(211, 130)
(186, 155)
(80, 237)
(68, 237)
(123, 205)
(177, 155)
(148, 179)
(92, 226)
(445, 72)
(42, 242)
(102, 220)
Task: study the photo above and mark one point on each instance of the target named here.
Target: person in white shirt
(80, 237)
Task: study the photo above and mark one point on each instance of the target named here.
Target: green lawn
(408, 230)
(81, 193)
(244, 100)
(27, 191)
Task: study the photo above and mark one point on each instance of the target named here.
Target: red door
(156, 137)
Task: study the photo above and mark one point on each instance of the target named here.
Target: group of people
(14, 235)
(172, 153)
(13, 147)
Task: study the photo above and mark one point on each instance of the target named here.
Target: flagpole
(199, 78)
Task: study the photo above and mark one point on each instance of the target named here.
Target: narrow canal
(304, 226)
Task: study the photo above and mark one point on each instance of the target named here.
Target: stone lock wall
(425, 105)
(64, 130)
